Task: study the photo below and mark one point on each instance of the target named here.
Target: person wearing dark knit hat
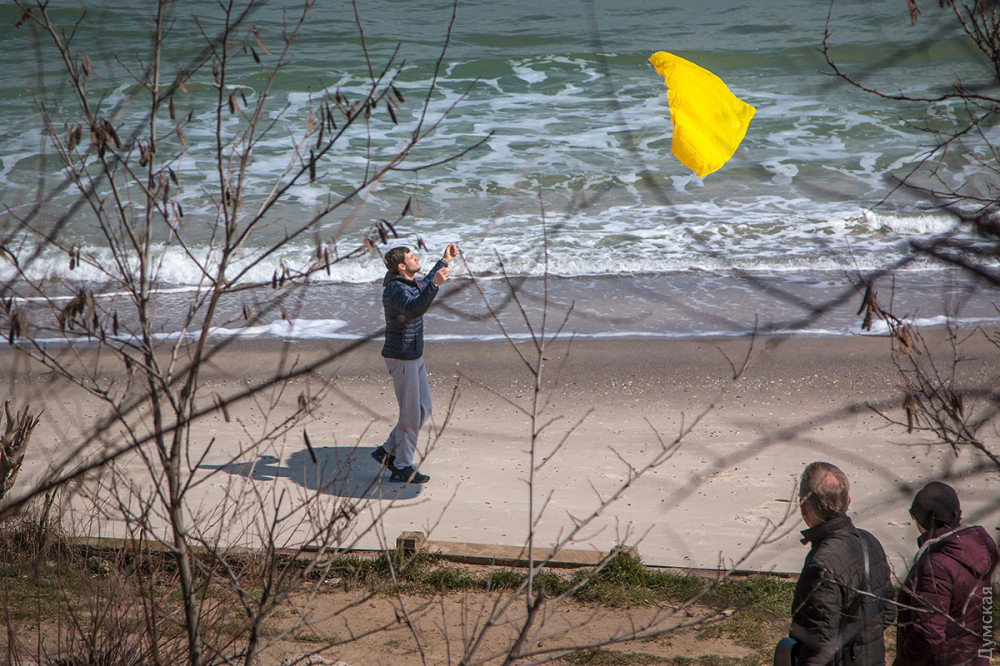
(940, 618)
(936, 505)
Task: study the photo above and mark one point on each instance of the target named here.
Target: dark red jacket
(946, 587)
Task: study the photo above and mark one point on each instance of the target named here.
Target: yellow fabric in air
(709, 121)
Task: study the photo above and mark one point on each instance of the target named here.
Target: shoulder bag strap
(866, 580)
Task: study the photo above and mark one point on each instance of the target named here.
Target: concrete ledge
(567, 558)
(512, 556)
(483, 554)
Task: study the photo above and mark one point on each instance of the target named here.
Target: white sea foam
(763, 234)
(526, 73)
(295, 329)
(912, 225)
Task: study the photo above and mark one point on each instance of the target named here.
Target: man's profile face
(410, 265)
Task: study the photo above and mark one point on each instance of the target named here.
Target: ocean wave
(913, 224)
(764, 234)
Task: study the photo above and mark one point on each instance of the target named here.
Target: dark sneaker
(408, 475)
(384, 458)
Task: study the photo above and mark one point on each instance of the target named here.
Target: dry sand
(704, 504)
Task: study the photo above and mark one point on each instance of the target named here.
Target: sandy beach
(612, 412)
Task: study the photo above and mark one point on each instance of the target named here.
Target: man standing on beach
(405, 300)
(841, 606)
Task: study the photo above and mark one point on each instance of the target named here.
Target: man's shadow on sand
(342, 471)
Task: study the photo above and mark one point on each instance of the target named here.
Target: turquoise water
(580, 136)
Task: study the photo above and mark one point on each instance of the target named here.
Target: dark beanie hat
(936, 504)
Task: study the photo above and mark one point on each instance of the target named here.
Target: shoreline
(673, 306)
(609, 402)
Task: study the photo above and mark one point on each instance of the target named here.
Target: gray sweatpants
(413, 393)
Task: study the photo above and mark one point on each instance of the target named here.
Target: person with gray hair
(841, 605)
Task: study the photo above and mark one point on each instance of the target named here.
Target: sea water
(572, 208)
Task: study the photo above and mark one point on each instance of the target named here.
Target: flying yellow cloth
(709, 121)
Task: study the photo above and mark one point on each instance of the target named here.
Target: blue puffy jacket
(405, 302)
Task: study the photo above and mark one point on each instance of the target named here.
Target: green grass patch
(375, 572)
(745, 628)
(761, 605)
(504, 579)
(33, 594)
(550, 583)
(624, 581)
(427, 574)
(450, 578)
(768, 594)
(678, 588)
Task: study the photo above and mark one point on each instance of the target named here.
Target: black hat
(936, 504)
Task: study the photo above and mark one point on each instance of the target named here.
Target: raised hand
(441, 276)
